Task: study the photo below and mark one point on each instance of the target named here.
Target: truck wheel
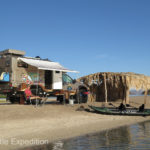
(82, 96)
(12, 100)
(60, 98)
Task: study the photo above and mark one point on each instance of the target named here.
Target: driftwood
(109, 86)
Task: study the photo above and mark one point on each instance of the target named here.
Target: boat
(116, 111)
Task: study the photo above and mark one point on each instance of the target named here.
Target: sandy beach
(54, 121)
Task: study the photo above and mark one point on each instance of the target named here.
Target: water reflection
(124, 138)
(141, 135)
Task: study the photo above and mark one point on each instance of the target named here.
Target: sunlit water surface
(134, 137)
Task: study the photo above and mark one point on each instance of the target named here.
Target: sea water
(133, 137)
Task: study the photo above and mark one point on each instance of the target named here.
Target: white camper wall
(57, 80)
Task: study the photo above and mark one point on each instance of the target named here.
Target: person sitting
(141, 108)
(29, 96)
(122, 107)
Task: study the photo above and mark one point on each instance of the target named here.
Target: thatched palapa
(109, 86)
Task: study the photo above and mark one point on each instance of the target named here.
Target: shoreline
(55, 122)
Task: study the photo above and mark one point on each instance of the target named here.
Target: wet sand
(54, 122)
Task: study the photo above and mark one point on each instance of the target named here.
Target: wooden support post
(127, 91)
(145, 97)
(124, 94)
(127, 95)
(105, 85)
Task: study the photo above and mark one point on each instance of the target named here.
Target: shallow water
(134, 137)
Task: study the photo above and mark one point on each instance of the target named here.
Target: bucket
(71, 101)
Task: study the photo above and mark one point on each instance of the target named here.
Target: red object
(28, 93)
(86, 93)
(10, 84)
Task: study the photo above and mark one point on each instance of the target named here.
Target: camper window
(22, 64)
(57, 71)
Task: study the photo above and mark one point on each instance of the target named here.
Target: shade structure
(45, 64)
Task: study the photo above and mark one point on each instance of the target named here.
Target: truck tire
(11, 99)
(81, 97)
(14, 99)
(60, 98)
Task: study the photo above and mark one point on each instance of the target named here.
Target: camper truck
(45, 78)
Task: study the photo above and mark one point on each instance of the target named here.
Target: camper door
(57, 80)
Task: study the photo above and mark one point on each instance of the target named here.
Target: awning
(45, 64)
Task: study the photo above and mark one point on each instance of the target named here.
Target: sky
(85, 35)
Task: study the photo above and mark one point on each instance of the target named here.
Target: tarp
(45, 64)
